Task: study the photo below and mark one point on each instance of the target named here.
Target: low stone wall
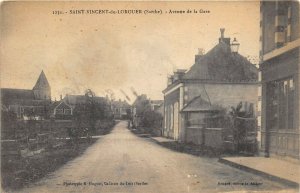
(195, 135)
(214, 137)
(211, 137)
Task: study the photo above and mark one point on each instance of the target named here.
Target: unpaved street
(123, 162)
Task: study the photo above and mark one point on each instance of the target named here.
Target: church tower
(42, 90)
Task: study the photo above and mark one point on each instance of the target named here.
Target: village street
(124, 162)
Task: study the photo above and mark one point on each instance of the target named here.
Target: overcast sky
(117, 51)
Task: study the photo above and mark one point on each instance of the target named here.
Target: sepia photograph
(150, 96)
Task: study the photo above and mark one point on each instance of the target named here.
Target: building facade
(61, 110)
(279, 76)
(220, 77)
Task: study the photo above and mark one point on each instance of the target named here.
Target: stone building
(33, 103)
(222, 77)
(279, 76)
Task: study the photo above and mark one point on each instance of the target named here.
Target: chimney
(60, 97)
(178, 74)
(199, 55)
(170, 79)
(222, 38)
(222, 30)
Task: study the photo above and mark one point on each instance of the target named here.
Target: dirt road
(123, 162)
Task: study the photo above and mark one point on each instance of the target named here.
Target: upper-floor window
(282, 23)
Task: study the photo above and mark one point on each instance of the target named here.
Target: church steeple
(41, 89)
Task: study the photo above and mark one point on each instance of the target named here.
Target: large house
(220, 78)
(28, 103)
(279, 76)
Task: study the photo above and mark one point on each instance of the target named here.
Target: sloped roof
(63, 105)
(29, 102)
(198, 104)
(81, 99)
(75, 99)
(42, 82)
(54, 104)
(220, 64)
(12, 96)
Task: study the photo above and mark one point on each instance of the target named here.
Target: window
(259, 91)
(283, 23)
(280, 102)
(259, 121)
(258, 106)
(165, 117)
(171, 117)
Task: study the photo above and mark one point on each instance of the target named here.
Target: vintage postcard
(150, 97)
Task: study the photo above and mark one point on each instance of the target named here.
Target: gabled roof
(220, 64)
(3, 108)
(198, 104)
(42, 82)
(10, 95)
(54, 104)
(62, 105)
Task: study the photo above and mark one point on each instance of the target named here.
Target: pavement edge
(260, 173)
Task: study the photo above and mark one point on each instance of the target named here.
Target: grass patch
(17, 172)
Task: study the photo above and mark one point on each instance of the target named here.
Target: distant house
(65, 108)
(121, 109)
(61, 110)
(219, 78)
(28, 103)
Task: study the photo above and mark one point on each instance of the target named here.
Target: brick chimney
(222, 38)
